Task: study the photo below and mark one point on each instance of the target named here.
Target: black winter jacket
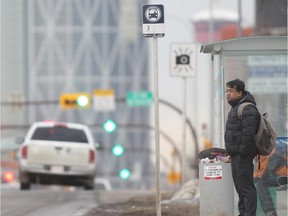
(240, 133)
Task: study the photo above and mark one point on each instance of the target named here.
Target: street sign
(79, 100)
(104, 100)
(183, 59)
(153, 21)
(144, 98)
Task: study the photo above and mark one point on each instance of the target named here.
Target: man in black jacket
(240, 145)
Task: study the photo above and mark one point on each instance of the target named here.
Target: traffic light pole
(156, 118)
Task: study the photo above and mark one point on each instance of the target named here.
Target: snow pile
(189, 192)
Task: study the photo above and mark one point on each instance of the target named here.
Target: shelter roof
(248, 45)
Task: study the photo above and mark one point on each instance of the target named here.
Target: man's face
(232, 94)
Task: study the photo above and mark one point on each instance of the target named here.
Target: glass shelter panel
(266, 78)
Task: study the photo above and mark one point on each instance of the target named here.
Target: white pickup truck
(58, 153)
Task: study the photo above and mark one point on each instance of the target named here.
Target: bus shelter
(261, 62)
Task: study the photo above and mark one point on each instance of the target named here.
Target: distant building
(80, 46)
(271, 17)
(219, 25)
(222, 24)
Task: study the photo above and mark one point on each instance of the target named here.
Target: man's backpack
(266, 136)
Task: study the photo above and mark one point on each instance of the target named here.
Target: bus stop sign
(153, 21)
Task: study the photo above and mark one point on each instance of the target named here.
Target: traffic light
(173, 177)
(118, 150)
(124, 174)
(8, 177)
(75, 100)
(109, 126)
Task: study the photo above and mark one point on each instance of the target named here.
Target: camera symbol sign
(183, 59)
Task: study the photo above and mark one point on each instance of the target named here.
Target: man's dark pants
(242, 174)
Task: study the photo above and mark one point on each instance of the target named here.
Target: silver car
(58, 153)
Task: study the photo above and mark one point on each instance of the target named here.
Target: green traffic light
(82, 101)
(118, 150)
(109, 126)
(124, 174)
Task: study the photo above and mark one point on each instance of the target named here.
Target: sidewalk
(183, 202)
(146, 206)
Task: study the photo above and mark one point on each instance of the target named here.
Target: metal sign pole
(183, 64)
(184, 161)
(153, 26)
(156, 117)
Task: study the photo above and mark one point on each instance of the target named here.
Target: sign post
(153, 26)
(183, 64)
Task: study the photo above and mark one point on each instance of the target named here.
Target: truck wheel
(89, 184)
(24, 186)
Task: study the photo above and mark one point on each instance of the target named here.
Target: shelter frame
(240, 47)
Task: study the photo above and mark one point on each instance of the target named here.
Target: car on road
(57, 153)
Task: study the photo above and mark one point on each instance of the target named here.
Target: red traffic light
(8, 177)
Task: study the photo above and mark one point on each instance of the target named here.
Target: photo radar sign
(183, 59)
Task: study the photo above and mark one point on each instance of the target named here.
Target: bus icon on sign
(153, 14)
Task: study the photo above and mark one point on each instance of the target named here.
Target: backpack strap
(261, 125)
(241, 107)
